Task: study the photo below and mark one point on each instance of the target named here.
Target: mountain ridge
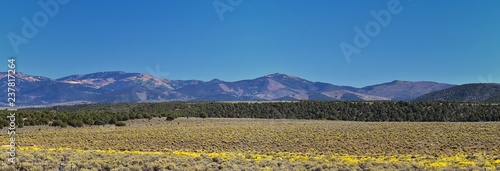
(475, 92)
(120, 86)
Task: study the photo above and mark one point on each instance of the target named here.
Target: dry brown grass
(236, 144)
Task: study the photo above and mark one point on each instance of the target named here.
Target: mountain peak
(25, 77)
(101, 79)
(279, 75)
(276, 75)
(92, 75)
(399, 81)
(215, 81)
(109, 72)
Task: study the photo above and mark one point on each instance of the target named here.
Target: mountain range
(489, 93)
(119, 86)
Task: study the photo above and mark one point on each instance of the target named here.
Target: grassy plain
(259, 144)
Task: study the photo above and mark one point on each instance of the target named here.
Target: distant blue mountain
(119, 86)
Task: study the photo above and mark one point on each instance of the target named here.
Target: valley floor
(258, 144)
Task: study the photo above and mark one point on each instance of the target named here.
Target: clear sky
(451, 41)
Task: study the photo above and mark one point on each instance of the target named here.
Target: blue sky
(451, 41)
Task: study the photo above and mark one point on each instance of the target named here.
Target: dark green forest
(102, 114)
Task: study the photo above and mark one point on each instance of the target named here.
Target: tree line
(377, 111)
